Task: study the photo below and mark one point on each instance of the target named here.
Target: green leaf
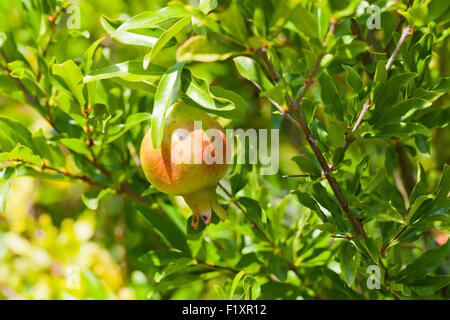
(154, 19)
(89, 54)
(238, 177)
(13, 133)
(403, 110)
(201, 49)
(330, 95)
(429, 285)
(360, 168)
(231, 105)
(20, 70)
(308, 165)
(349, 262)
(73, 77)
(327, 227)
(251, 70)
(219, 289)
(234, 284)
(343, 8)
(143, 87)
(145, 37)
(216, 100)
(373, 183)
(305, 22)
(369, 247)
(161, 258)
(338, 156)
(252, 288)
(421, 202)
(401, 130)
(277, 266)
(423, 143)
(308, 109)
(91, 199)
(232, 22)
(21, 153)
(129, 71)
(443, 85)
(2, 38)
(425, 264)
(97, 95)
(166, 228)
(118, 130)
(207, 6)
(325, 200)
(353, 78)
(380, 72)
(76, 145)
(387, 93)
(427, 205)
(253, 210)
(421, 185)
(305, 199)
(172, 268)
(47, 149)
(444, 185)
(167, 94)
(164, 39)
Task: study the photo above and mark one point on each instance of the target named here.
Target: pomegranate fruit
(188, 162)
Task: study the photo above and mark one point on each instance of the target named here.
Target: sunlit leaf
(201, 49)
(166, 95)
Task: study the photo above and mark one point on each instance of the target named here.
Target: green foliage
(364, 137)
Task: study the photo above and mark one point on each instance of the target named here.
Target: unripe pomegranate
(188, 162)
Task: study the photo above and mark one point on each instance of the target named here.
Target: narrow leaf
(73, 77)
(166, 95)
(330, 95)
(164, 39)
(201, 49)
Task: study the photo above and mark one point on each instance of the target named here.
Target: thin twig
(270, 69)
(398, 27)
(405, 33)
(310, 79)
(253, 223)
(31, 99)
(382, 250)
(52, 19)
(301, 125)
(368, 104)
(124, 189)
(354, 221)
(290, 265)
